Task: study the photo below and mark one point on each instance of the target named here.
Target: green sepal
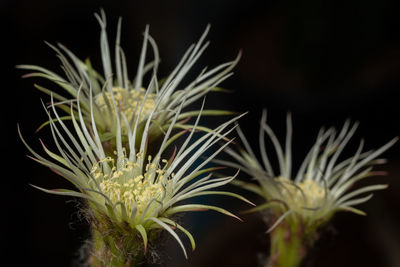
(143, 233)
(224, 194)
(64, 118)
(198, 207)
(206, 112)
(262, 207)
(186, 232)
(248, 186)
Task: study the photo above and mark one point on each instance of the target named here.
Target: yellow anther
(302, 195)
(128, 102)
(121, 183)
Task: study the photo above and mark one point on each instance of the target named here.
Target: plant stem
(115, 251)
(288, 246)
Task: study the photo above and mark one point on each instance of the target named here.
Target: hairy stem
(116, 250)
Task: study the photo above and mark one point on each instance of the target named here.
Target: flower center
(128, 184)
(128, 102)
(302, 196)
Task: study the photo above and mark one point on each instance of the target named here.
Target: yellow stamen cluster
(302, 196)
(127, 183)
(128, 102)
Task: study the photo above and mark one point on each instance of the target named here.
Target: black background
(324, 61)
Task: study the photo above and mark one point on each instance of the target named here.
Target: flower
(322, 185)
(116, 87)
(299, 205)
(133, 194)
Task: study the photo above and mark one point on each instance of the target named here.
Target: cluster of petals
(323, 184)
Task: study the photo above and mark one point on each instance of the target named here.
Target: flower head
(323, 183)
(134, 193)
(114, 93)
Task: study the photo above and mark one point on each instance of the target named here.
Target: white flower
(116, 92)
(135, 190)
(323, 184)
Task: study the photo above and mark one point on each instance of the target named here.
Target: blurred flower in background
(298, 205)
